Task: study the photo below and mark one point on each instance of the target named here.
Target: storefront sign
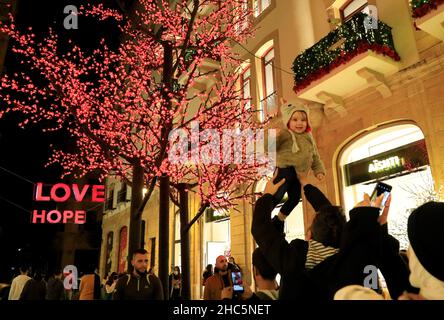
(386, 164)
(62, 192)
(383, 165)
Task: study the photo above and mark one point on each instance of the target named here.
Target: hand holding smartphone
(381, 188)
(236, 277)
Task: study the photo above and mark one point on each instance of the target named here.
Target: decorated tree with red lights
(174, 67)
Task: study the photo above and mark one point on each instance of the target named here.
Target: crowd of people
(33, 286)
(140, 284)
(330, 264)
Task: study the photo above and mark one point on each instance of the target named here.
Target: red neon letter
(36, 216)
(98, 193)
(38, 193)
(75, 190)
(50, 213)
(80, 217)
(61, 186)
(67, 214)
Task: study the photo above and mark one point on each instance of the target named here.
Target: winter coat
(34, 290)
(132, 287)
(214, 286)
(364, 242)
(307, 157)
(55, 289)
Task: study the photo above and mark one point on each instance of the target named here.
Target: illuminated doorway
(395, 155)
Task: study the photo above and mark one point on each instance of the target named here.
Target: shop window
(123, 250)
(176, 254)
(259, 6)
(216, 239)
(352, 7)
(396, 155)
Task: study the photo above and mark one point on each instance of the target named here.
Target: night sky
(25, 152)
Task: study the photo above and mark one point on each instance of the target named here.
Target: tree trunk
(184, 244)
(135, 219)
(164, 188)
(164, 215)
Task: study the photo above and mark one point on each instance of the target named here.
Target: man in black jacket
(139, 285)
(337, 252)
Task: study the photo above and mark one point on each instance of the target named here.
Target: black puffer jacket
(132, 287)
(364, 242)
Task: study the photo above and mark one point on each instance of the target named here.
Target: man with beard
(219, 280)
(139, 285)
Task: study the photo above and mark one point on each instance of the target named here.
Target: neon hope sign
(61, 192)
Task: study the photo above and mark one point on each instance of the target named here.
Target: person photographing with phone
(381, 189)
(306, 271)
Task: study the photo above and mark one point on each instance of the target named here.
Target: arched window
(266, 80)
(396, 155)
(109, 251)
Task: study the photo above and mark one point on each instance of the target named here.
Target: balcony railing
(109, 204)
(121, 196)
(339, 47)
(422, 7)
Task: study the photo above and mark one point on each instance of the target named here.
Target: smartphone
(381, 188)
(236, 277)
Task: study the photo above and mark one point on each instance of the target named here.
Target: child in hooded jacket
(296, 153)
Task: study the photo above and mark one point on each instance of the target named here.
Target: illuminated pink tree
(175, 66)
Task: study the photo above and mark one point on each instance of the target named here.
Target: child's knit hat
(287, 111)
(291, 107)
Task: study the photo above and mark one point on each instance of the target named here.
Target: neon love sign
(62, 192)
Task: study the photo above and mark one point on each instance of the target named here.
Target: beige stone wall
(416, 88)
(113, 222)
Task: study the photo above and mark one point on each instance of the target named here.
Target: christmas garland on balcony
(344, 58)
(319, 60)
(422, 7)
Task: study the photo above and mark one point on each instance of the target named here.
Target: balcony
(429, 16)
(122, 196)
(346, 61)
(109, 204)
